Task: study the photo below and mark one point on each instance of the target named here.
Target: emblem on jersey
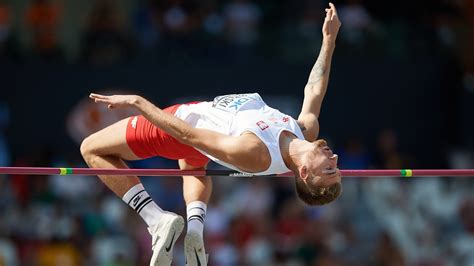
(262, 125)
(286, 119)
(134, 122)
(233, 102)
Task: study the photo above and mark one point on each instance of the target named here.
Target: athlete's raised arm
(233, 150)
(315, 89)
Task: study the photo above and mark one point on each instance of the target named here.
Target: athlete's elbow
(312, 90)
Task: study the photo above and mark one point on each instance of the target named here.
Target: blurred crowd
(55, 220)
(106, 31)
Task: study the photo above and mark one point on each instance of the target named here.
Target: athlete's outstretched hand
(115, 101)
(331, 23)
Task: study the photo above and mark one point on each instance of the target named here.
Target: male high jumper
(238, 131)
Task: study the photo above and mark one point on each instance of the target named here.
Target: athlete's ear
(303, 172)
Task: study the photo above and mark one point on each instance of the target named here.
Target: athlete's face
(321, 165)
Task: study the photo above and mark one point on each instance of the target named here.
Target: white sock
(196, 212)
(143, 204)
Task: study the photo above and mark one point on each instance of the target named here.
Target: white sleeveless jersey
(236, 113)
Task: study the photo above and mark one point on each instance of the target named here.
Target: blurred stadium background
(401, 96)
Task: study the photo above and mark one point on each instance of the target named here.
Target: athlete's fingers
(98, 100)
(333, 8)
(329, 14)
(102, 98)
(97, 96)
(334, 15)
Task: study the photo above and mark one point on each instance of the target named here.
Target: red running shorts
(146, 140)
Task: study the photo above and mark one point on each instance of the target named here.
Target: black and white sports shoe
(164, 235)
(194, 250)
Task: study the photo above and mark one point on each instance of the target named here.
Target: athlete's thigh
(183, 165)
(112, 141)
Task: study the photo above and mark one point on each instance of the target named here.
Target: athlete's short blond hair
(317, 195)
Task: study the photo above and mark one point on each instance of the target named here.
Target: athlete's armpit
(245, 152)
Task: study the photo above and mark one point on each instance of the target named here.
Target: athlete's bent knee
(87, 148)
(88, 151)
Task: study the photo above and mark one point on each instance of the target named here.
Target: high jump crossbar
(178, 172)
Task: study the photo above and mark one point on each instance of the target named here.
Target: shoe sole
(192, 244)
(162, 257)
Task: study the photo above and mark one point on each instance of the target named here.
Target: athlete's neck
(292, 150)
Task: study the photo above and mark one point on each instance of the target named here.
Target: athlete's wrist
(136, 101)
(329, 42)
